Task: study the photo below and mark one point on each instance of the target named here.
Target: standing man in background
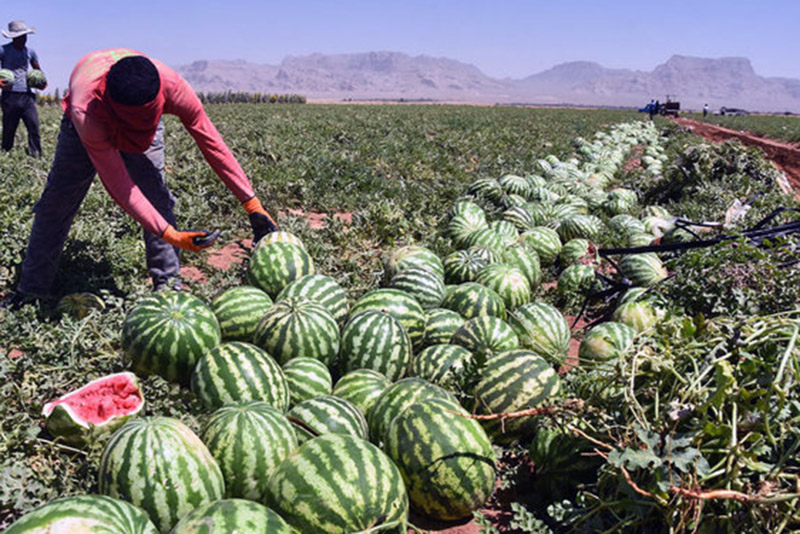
(18, 101)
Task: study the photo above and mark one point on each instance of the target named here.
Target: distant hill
(729, 82)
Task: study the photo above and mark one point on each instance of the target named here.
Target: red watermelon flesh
(105, 402)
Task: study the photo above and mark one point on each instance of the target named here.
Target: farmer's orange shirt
(83, 108)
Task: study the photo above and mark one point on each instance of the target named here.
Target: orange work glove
(260, 221)
(194, 240)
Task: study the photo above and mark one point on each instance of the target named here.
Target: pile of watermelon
(330, 416)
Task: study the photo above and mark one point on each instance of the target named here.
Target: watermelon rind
(322, 289)
(307, 378)
(399, 305)
(238, 310)
(375, 340)
(63, 422)
(274, 265)
(362, 388)
(327, 415)
(541, 328)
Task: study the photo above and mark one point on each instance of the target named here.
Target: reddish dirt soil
(785, 155)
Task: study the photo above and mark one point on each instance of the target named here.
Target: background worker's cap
(17, 28)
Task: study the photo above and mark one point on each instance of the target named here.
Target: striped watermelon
(509, 282)
(234, 516)
(535, 180)
(298, 327)
(248, 440)
(275, 265)
(486, 336)
(339, 484)
(280, 237)
(471, 299)
(463, 266)
(7, 74)
(525, 259)
(235, 372)
(514, 381)
(413, 256)
(540, 213)
(362, 388)
(657, 226)
(327, 415)
(486, 237)
(640, 240)
(578, 280)
(579, 226)
(605, 342)
(167, 332)
(543, 195)
(507, 232)
(624, 226)
(399, 305)
(238, 311)
(440, 325)
(511, 201)
(307, 378)
(643, 269)
(99, 407)
(638, 314)
(542, 329)
(575, 250)
(35, 79)
(440, 364)
(486, 188)
(515, 185)
(188, 476)
(466, 207)
(446, 459)
(321, 289)
(465, 224)
(375, 340)
(520, 217)
(656, 211)
(398, 398)
(425, 286)
(490, 255)
(544, 241)
(84, 514)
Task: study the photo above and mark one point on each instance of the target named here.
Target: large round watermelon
(233, 516)
(440, 325)
(446, 459)
(36, 79)
(472, 299)
(514, 381)
(339, 484)
(542, 329)
(375, 340)
(362, 387)
(606, 342)
(238, 310)
(236, 372)
(399, 305)
(248, 440)
(396, 399)
(298, 327)
(509, 282)
(97, 408)
(327, 415)
(485, 336)
(161, 466)
(413, 257)
(84, 514)
(307, 378)
(425, 286)
(273, 266)
(440, 364)
(322, 289)
(166, 333)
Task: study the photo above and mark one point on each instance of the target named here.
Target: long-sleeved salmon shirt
(86, 107)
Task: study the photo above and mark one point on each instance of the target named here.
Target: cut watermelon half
(98, 407)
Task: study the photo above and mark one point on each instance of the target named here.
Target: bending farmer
(112, 125)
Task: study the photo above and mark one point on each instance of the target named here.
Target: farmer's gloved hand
(261, 221)
(193, 240)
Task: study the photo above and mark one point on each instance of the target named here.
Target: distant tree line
(226, 97)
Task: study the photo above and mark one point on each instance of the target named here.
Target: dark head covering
(133, 81)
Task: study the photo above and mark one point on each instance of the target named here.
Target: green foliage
(784, 128)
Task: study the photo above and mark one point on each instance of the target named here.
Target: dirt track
(785, 155)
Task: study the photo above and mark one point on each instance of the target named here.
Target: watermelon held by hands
(7, 75)
(85, 513)
(166, 333)
(36, 79)
(99, 407)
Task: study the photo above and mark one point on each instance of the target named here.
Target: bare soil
(786, 156)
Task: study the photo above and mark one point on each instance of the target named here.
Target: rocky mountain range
(729, 82)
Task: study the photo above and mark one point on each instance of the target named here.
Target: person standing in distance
(18, 101)
(112, 126)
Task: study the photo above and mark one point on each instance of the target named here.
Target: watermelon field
(474, 319)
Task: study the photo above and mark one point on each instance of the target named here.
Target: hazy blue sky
(504, 38)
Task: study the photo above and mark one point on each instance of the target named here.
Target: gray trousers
(67, 184)
(20, 106)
